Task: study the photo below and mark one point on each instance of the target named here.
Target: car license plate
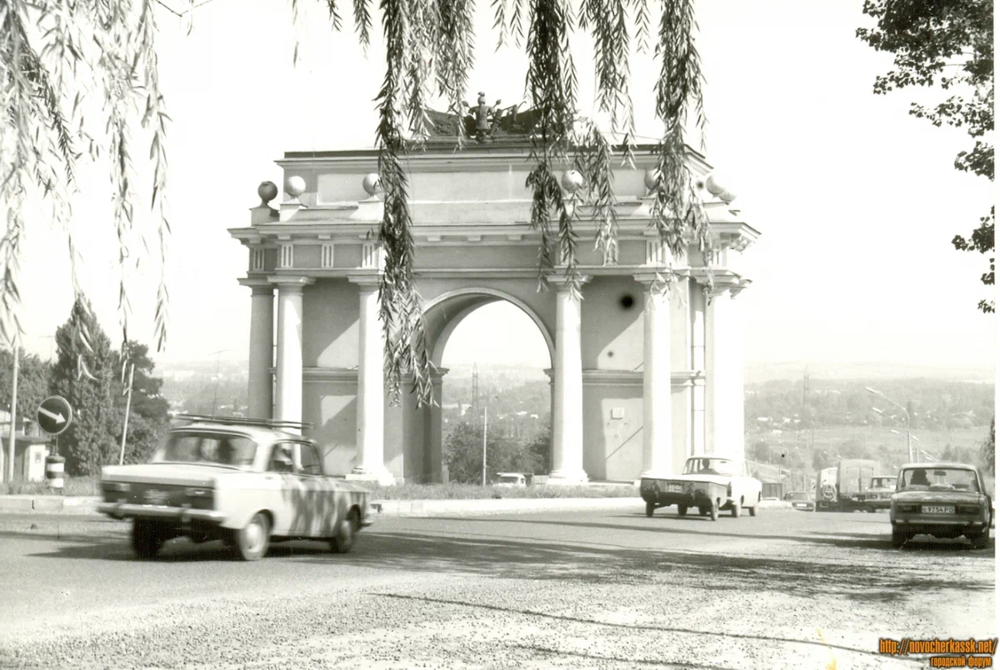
(675, 488)
(938, 509)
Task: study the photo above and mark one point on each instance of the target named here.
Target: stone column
(260, 394)
(567, 417)
(736, 394)
(288, 406)
(371, 385)
(724, 372)
(697, 301)
(657, 420)
(435, 469)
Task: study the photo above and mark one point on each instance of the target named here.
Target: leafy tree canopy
(55, 52)
(90, 378)
(949, 44)
(32, 382)
(464, 454)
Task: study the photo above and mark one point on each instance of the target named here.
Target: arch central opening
(495, 355)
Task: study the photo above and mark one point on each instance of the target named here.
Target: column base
(382, 477)
(567, 478)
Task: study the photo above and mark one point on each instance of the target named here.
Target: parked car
(879, 494)
(945, 500)
(247, 482)
(709, 483)
(511, 479)
(800, 500)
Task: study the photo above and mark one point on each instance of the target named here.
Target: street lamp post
(909, 445)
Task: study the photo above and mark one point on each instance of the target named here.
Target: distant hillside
(932, 404)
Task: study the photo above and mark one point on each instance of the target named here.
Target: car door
(318, 491)
(283, 488)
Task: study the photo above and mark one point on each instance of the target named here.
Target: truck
(843, 488)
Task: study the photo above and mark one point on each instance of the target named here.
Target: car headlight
(118, 487)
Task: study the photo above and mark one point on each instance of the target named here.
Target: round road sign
(54, 415)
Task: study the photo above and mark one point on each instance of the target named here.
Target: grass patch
(73, 486)
(90, 486)
(476, 492)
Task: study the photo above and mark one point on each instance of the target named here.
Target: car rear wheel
(737, 508)
(343, 540)
(254, 538)
(682, 510)
(713, 511)
(899, 538)
(147, 538)
(753, 510)
(649, 508)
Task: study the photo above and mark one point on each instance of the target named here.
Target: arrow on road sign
(58, 418)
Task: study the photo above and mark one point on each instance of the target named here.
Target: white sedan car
(246, 482)
(709, 483)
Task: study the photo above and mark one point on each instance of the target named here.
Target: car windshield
(798, 495)
(710, 466)
(232, 450)
(938, 479)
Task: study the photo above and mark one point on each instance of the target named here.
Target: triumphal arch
(644, 372)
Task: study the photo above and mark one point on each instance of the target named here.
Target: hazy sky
(856, 200)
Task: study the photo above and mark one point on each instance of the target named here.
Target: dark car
(946, 500)
(800, 500)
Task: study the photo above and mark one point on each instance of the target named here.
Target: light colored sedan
(709, 483)
(243, 481)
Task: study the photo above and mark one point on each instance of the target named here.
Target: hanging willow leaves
(429, 47)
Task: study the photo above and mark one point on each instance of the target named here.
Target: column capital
(257, 286)
(656, 281)
(564, 283)
(366, 280)
(290, 284)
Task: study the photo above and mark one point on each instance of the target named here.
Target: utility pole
(128, 407)
(13, 414)
(486, 408)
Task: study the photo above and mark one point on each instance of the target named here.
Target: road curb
(383, 508)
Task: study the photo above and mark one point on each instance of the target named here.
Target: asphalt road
(609, 589)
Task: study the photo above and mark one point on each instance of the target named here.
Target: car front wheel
(737, 508)
(899, 538)
(649, 508)
(982, 540)
(147, 538)
(253, 539)
(682, 510)
(343, 540)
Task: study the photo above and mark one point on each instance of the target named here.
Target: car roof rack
(240, 421)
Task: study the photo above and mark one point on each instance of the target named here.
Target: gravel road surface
(591, 589)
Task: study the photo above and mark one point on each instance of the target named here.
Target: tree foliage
(464, 454)
(949, 44)
(96, 392)
(53, 52)
(32, 382)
